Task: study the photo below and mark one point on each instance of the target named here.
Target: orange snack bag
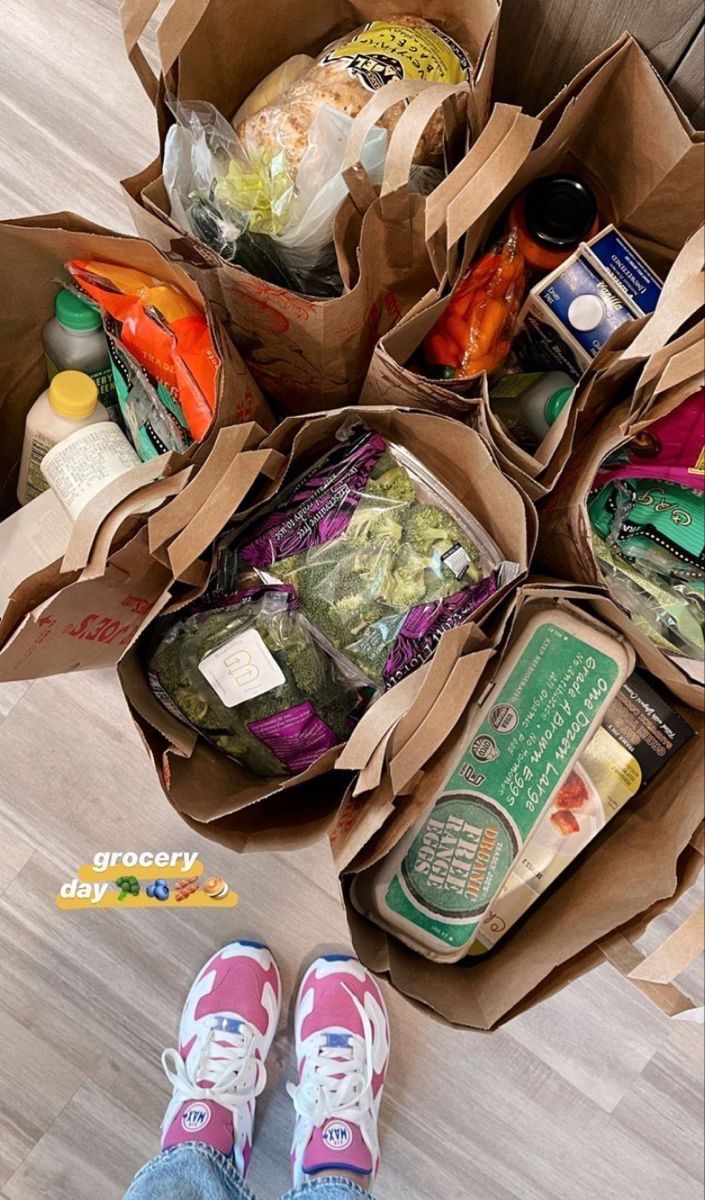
(165, 332)
(474, 332)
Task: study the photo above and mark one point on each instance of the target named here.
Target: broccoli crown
(393, 483)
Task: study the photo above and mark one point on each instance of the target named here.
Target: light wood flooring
(592, 1096)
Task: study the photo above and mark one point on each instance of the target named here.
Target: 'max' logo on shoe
(337, 1135)
(195, 1117)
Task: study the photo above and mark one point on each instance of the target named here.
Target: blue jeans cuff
(190, 1171)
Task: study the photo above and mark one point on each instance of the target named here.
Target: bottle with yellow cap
(68, 404)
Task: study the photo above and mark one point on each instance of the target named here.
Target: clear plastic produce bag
(383, 558)
(246, 671)
(251, 211)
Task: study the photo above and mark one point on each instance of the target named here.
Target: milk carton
(570, 315)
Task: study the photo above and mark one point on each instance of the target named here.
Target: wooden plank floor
(592, 1096)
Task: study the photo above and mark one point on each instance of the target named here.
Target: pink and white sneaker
(342, 1048)
(227, 1029)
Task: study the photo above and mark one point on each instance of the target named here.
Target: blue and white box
(570, 315)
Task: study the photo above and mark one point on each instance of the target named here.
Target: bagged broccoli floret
(250, 676)
(383, 559)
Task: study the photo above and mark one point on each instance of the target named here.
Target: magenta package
(671, 449)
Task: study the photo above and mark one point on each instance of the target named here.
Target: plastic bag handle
(489, 167)
(360, 186)
(409, 130)
(112, 498)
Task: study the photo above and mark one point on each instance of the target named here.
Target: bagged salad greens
(265, 193)
(382, 557)
(247, 672)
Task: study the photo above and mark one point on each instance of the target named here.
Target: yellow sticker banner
(110, 898)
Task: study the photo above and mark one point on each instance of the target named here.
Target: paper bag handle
(132, 483)
(409, 130)
(359, 184)
(174, 517)
(487, 169)
(653, 974)
(676, 305)
(172, 35)
(213, 515)
(135, 15)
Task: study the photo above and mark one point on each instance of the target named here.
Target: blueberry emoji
(159, 890)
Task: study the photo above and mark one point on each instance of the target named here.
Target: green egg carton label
(516, 758)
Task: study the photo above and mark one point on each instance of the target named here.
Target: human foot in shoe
(342, 1050)
(227, 1028)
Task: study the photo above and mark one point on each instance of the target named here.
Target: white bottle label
(84, 463)
(241, 669)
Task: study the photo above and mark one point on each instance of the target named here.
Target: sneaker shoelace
(226, 1062)
(336, 1085)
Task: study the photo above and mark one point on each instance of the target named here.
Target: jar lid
(556, 403)
(560, 211)
(73, 395)
(73, 313)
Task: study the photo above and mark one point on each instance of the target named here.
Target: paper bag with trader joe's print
(462, 897)
(352, 593)
(628, 513)
(81, 612)
(262, 134)
(636, 164)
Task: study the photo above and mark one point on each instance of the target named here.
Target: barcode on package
(456, 560)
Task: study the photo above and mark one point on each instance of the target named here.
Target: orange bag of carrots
(163, 330)
(474, 333)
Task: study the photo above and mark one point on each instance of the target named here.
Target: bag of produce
(245, 670)
(162, 354)
(431, 352)
(381, 555)
(73, 598)
(265, 194)
(223, 509)
(363, 243)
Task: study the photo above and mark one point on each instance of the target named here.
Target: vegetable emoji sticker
(129, 885)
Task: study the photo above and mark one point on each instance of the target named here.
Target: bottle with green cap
(69, 403)
(528, 405)
(74, 341)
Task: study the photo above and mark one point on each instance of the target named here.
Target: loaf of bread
(346, 75)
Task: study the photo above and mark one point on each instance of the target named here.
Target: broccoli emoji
(159, 890)
(129, 886)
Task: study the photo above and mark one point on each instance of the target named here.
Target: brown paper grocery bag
(217, 795)
(565, 543)
(33, 253)
(617, 126)
(83, 611)
(308, 353)
(628, 874)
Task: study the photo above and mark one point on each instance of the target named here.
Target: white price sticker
(241, 669)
